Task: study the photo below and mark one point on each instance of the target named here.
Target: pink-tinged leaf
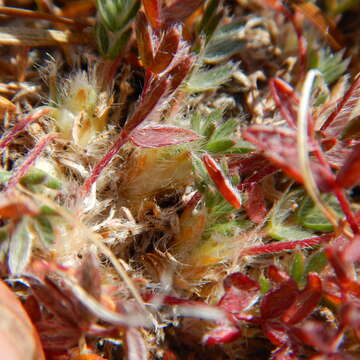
(285, 245)
(285, 99)
(276, 332)
(277, 301)
(222, 183)
(144, 38)
(349, 174)
(221, 335)
(277, 275)
(30, 159)
(135, 345)
(18, 338)
(337, 154)
(319, 336)
(344, 270)
(179, 10)
(305, 302)
(255, 205)
(285, 353)
(146, 106)
(167, 50)
(179, 72)
(241, 292)
(161, 135)
(153, 12)
(21, 125)
(280, 147)
(337, 121)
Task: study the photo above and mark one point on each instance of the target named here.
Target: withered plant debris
(179, 179)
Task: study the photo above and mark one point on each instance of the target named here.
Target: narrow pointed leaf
(221, 335)
(179, 10)
(153, 12)
(349, 174)
(222, 183)
(166, 51)
(344, 112)
(20, 247)
(204, 80)
(44, 229)
(144, 40)
(285, 99)
(158, 136)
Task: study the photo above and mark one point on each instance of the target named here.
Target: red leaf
(241, 292)
(285, 99)
(167, 50)
(285, 245)
(135, 345)
(161, 135)
(319, 336)
(276, 275)
(20, 126)
(144, 38)
(180, 70)
(221, 335)
(221, 182)
(280, 146)
(305, 302)
(153, 12)
(277, 301)
(255, 205)
(276, 332)
(336, 122)
(349, 174)
(179, 10)
(18, 338)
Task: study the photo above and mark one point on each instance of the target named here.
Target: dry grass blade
(16, 12)
(40, 37)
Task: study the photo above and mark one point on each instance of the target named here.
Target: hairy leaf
(161, 135)
(204, 80)
(20, 247)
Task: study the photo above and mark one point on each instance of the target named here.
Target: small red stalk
(19, 127)
(30, 159)
(285, 246)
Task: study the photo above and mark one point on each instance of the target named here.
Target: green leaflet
(310, 217)
(20, 247)
(44, 229)
(203, 80)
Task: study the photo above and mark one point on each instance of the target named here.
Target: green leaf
(298, 267)
(332, 66)
(204, 80)
(240, 147)
(44, 229)
(219, 146)
(20, 247)
(195, 123)
(46, 210)
(311, 217)
(119, 44)
(288, 233)
(265, 284)
(102, 38)
(229, 31)
(4, 176)
(225, 130)
(316, 262)
(221, 50)
(37, 177)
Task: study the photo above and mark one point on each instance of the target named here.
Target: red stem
(285, 246)
(19, 127)
(345, 206)
(120, 141)
(30, 159)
